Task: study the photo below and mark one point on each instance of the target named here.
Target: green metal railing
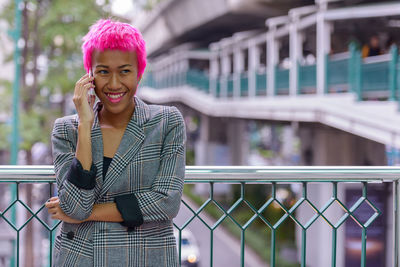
(230, 81)
(338, 74)
(244, 84)
(261, 83)
(199, 79)
(281, 81)
(244, 177)
(307, 79)
(370, 78)
(375, 76)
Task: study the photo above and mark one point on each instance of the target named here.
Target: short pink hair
(113, 35)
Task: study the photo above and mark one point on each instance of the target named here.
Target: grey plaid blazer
(150, 164)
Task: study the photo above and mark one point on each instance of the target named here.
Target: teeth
(115, 96)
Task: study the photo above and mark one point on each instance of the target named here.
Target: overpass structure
(302, 69)
(246, 76)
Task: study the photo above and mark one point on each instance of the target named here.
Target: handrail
(378, 59)
(45, 173)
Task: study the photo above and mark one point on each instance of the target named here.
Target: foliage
(5, 104)
(31, 129)
(52, 31)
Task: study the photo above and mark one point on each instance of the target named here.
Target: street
(226, 249)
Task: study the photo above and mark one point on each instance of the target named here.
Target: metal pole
(16, 34)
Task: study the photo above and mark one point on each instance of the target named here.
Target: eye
(125, 71)
(102, 72)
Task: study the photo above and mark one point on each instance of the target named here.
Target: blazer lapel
(97, 146)
(130, 145)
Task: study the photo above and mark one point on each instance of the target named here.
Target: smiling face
(116, 81)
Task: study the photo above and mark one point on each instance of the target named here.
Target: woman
(119, 163)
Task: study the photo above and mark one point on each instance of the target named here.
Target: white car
(190, 254)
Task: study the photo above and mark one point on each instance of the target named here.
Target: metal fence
(243, 177)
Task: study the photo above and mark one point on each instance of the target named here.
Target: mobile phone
(91, 90)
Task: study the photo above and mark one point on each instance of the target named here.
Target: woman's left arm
(106, 212)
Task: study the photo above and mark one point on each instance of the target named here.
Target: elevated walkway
(374, 120)
(249, 75)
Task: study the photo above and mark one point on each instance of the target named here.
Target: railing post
(296, 50)
(327, 58)
(355, 65)
(358, 76)
(324, 29)
(214, 70)
(238, 69)
(254, 62)
(393, 72)
(272, 61)
(396, 221)
(350, 77)
(226, 70)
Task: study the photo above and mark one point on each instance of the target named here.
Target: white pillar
(323, 48)
(203, 141)
(254, 64)
(181, 72)
(214, 72)
(175, 72)
(185, 68)
(238, 61)
(272, 60)
(296, 51)
(169, 71)
(226, 70)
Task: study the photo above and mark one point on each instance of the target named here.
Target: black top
(127, 204)
(106, 164)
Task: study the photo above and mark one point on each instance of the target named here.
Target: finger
(52, 209)
(48, 204)
(86, 79)
(85, 90)
(82, 78)
(51, 204)
(83, 82)
(82, 92)
(92, 99)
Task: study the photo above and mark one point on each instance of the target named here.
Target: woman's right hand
(83, 105)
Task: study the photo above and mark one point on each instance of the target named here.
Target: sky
(123, 7)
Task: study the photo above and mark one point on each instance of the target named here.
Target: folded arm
(75, 176)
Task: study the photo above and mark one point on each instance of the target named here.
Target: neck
(118, 121)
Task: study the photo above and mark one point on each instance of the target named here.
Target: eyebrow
(120, 67)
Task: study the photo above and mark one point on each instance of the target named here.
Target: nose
(114, 82)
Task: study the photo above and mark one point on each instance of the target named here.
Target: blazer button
(70, 235)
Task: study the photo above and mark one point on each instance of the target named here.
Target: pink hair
(114, 35)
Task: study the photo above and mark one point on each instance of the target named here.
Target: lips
(115, 97)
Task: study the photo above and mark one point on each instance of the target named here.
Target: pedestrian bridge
(249, 76)
(328, 206)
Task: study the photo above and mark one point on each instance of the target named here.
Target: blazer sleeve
(162, 202)
(75, 185)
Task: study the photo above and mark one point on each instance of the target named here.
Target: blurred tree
(5, 104)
